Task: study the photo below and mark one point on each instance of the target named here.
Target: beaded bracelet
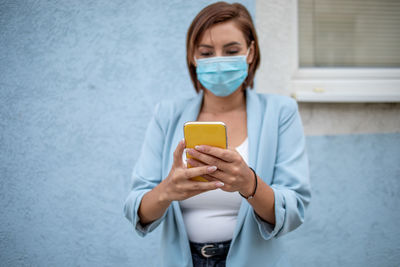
(255, 187)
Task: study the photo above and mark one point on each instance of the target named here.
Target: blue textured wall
(78, 82)
(354, 215)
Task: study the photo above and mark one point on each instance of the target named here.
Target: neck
(216, 105)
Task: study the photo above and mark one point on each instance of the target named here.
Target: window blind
(349, 33)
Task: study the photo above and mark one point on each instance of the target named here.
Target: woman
(235, 217)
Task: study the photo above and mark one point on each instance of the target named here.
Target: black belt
(211, 249)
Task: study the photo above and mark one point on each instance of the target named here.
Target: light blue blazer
(276, 152)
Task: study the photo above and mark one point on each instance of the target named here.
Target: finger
(178, 162)
(199, 171)
(220, 176)
(195, 163)
(201, 186)
(207, 159)
(228, 155)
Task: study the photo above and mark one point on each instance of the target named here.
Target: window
(348, 50)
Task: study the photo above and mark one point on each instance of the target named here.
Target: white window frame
(342, 84)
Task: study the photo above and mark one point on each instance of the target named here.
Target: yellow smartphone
(212, 133)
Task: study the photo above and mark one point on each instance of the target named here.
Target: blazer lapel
(190, 113)
(192, 109)
(254, 119)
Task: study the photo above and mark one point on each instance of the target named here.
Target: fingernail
(200, 148)
(212, 168)
(219, 184)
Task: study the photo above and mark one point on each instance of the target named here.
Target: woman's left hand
(232, 169)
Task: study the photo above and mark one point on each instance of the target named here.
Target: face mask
(222, 75)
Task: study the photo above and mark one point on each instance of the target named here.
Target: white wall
(277, 31)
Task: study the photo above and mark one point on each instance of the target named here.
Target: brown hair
(217, 13)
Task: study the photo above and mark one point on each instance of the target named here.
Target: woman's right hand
(179, 186)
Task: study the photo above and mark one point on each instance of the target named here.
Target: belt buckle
(203, 251)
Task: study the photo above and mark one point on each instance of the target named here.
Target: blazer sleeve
(290, 181)
(146, 174)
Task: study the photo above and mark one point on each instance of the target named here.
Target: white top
(211, 216)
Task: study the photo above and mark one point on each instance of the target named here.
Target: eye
(232, 52)
(206, 54)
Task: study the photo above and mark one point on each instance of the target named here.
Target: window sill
(346, 85)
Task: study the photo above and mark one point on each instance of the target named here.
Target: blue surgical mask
(222, 75)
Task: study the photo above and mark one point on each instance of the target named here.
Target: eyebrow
(229, 44)
(232, 43)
